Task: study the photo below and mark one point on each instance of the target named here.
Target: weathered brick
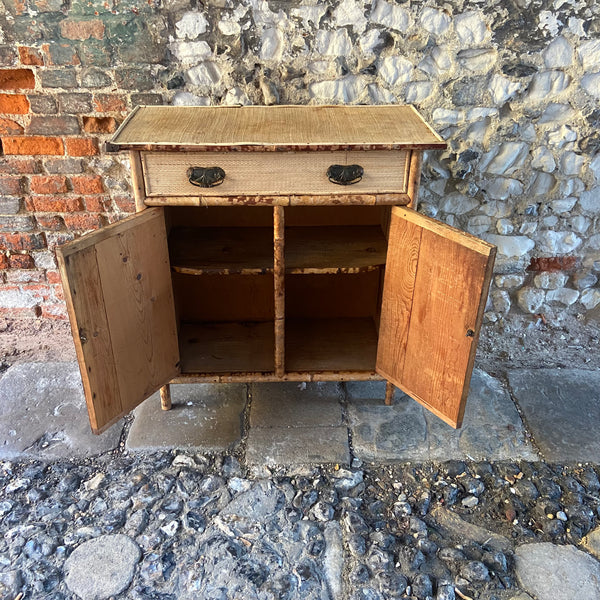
(87, 184)
(95, 53)
(53, 277)
(95, 78)
(97, 203)
(552, 263)
(136, 79)
(64, 165)
(99, 124)
(59, 78)
(38, 291)
(10, 127)
(63, 125)
(14, 104)
(16, 223)
(81, 146)
(33, 145)
(56, 203)
(20, 313)
(25, 274)
(8, 56)
(44, 259)
(58, 239)
(43, 105)
(54, 311)
(83, 222)
(19, 165)
(58, 292)
(20, 261)
(146, 100)
(125, 203)
(30, 56)
(11, 186)
(16, 79)
(3, 261)
(109, 103)
(48, 184)
(22, 241)
(82, 30)
(60, 55)
(50, 222)
(75, 104)
(9, 205)
(49, 5)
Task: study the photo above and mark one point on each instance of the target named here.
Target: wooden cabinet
(275, 244)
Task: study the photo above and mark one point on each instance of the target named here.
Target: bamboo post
(414, 177)
(389, 393)
(165, 397)
(279, 277)
(137, 179)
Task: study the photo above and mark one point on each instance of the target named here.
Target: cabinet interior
(226, 280)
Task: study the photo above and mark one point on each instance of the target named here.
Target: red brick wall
(54, 182)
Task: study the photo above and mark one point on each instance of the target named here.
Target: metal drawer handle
(345, 174)
(206, 177)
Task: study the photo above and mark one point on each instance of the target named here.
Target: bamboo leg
(279, 277)
(165, 397)
(389, 393)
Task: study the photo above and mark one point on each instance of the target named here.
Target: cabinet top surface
(390, 127)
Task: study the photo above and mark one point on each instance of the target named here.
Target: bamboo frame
(389, 393)
(414, 177)
(137, 179)
(279, 280)
(299, 376)
(165, 397)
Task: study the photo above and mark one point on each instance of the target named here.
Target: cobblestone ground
(182, 526)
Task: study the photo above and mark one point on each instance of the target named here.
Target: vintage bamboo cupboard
(275, 244)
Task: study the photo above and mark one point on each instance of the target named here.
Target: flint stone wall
(512, 85)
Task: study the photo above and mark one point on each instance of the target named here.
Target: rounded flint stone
(102, 567)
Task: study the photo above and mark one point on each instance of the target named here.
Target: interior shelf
(231, 347)
(330, 344)
(222, 250)
(334, 249)
(249, 250)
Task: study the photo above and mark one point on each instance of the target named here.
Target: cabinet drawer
(274, 173)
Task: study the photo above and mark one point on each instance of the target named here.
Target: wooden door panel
(120, 299)
(435, 290)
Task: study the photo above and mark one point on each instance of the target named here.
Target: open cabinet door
(434, 295)
(119, 295)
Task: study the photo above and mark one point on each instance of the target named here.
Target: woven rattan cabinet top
(276, 128)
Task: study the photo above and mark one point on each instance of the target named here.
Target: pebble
(388, 543)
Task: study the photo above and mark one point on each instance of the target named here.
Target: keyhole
(470, 333)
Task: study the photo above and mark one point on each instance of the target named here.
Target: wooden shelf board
(330, 345)
(334, 249)
(249, 250)
(230, 347)
(222, 250)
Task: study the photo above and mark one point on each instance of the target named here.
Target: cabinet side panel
(91, 333)
(138, 295)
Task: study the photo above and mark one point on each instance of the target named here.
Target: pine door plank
(434, 294)
(120, 298)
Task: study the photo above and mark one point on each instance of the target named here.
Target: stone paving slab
(296, 405)
(204, 417)
(562, 410)
(551, 572)
(43, 414)
(492, 428)
(297, 445)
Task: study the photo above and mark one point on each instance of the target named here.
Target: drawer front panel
(274, 173)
